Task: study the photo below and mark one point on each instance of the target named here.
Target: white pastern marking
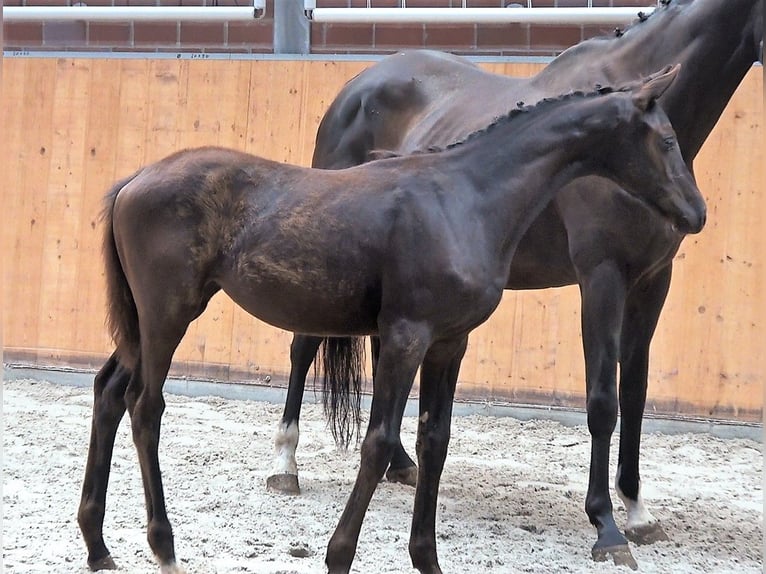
(638, 515)
(285, 445)
(171, 568)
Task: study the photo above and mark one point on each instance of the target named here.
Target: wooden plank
(26, 163)
(99, 152)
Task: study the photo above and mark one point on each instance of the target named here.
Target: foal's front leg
(642, 312)
(403, 346)
(603, 299)
(438, 377)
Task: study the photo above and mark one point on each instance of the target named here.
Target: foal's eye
(669, 143)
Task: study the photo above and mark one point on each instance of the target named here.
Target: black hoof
(408, 476)
(646, 534)
(105, 563)
(619, 554)
(283, 484)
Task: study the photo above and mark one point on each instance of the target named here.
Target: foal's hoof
(646, 534)
(619, 554)
(283, 484)
(105, 563)
(408, 476)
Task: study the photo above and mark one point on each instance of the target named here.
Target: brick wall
(257, 36)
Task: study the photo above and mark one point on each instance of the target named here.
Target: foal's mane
(523, 110)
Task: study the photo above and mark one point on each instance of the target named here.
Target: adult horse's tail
(122, 315)
(343, 365)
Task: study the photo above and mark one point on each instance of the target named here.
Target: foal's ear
(654, 86)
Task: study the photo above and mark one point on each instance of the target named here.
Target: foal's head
(644, 158)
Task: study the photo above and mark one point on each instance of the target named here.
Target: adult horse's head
(658, 176)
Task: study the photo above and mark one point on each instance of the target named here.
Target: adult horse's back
(418, 99)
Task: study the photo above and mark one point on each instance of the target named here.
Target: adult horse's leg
(159, 338)
(642, 311)
(403, 347)
(284, 474)
(437, 390)
(603, 299)
(108, 408)
(402, 468)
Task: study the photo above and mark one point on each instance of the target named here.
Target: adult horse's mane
(619, 33)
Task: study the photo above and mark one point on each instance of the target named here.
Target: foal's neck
(517, 166)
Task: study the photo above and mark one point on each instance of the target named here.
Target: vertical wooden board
(719, 274)
(64, 204)
(26, 180)
(134, 80)
(275, 111)
(208, 106)
(99, 162)
(167, 98)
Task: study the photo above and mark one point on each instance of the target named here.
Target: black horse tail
(121, 314)
(343, 361)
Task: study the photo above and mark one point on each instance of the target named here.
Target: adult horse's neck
(715, 41)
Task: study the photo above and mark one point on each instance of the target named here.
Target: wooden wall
(73, 126)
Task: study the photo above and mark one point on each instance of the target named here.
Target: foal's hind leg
(641, 315)
(159, 338)
(108, 408)
(438, 377)
(284, 474)
(402, 468)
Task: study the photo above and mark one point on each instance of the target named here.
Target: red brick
(258, 33)
(147, 33)
(516, 35)
(401, 36)
(108, 34)
(450, 36)
(348, 35)
(597, 31)
(553, 38)
(22, 34)
(201, 33)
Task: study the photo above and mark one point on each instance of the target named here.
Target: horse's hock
(96, 120)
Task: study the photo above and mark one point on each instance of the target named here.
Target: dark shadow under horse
(418, 99)
(414, 250)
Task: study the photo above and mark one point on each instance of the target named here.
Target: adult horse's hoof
(283, 483)
(621, 555)
(646, 534)
(105, 563)
(408, 476)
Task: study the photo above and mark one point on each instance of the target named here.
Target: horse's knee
(602, 411)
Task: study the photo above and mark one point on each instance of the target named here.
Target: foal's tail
(122, 315)
(343, 365)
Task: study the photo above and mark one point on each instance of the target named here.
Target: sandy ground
(511, 495)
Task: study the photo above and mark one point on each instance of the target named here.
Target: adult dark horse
(414, 100)
(415, 250)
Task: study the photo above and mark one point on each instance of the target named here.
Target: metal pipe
(133, 13)
(475, 15)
